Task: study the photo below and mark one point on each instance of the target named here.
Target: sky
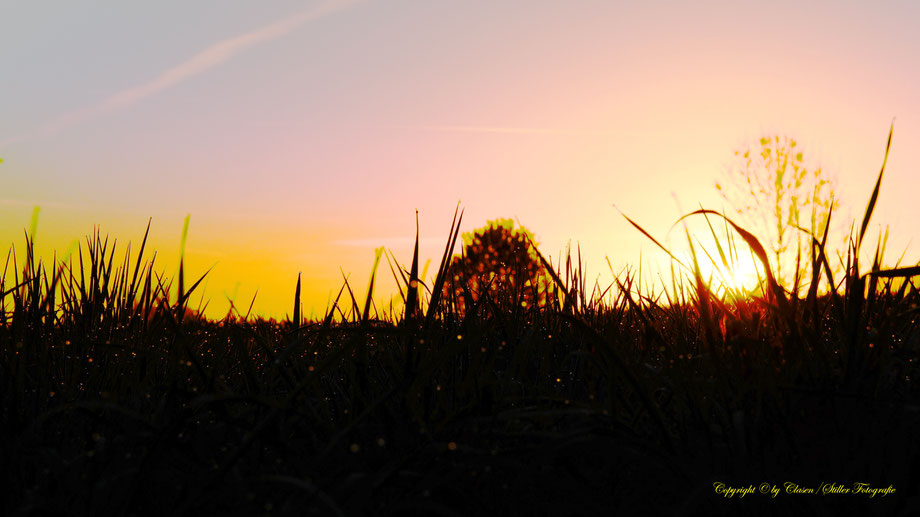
(301, 135)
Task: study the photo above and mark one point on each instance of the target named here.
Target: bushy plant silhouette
(498, 270)
(770, 186)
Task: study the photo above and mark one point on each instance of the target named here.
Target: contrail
(201, 62)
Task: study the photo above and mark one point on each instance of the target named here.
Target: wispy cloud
(511, 130)
(203, 61)
(389, 242)
(38, 203)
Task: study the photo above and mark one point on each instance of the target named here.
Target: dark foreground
(116, 401)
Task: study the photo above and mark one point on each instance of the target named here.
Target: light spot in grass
(452, 446)
(355, 448)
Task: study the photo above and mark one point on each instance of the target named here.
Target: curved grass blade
(758, 250)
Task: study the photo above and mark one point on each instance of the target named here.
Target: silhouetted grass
(118, 400)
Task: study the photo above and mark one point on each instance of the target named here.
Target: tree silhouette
(771, 188)
(497, 270)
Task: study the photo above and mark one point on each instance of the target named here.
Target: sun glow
(743, 277)
(738, 276)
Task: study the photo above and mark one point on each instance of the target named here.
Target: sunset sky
(300, 136)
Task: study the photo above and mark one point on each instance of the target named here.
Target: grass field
(116, 398)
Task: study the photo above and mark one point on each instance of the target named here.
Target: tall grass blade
(355, 311)
(327, 321)
(251, 305)
(33, 223)
(182, 255)
(872, 199)
(718, 244)
(412, 293)
(184, 299)
(438, 286)
(552, 272)
(391, 259)
(296, 314)
(370, 288)
(641, 229)
(137, 267)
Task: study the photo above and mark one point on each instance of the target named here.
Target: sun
(742, 276)
(745, 276)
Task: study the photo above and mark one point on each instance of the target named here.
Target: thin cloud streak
(203, 61)
(387, 241)
(43, 204)
(512, 130)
